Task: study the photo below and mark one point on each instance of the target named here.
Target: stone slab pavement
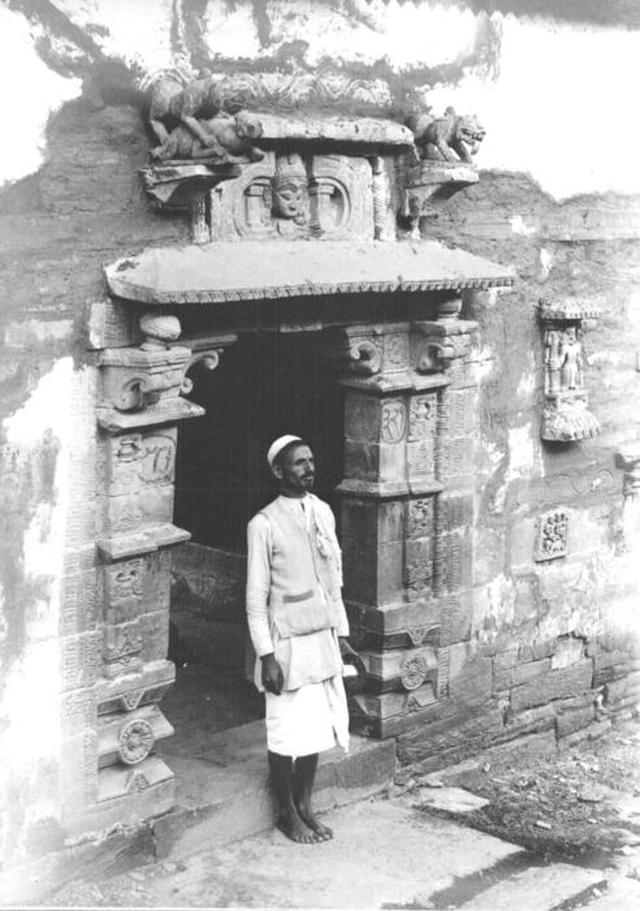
(385, 854)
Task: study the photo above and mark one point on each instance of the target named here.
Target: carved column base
(388, 714)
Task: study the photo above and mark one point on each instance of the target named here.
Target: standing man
(298, 626)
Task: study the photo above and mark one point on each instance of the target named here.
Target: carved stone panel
(341, 197)
(552, 535)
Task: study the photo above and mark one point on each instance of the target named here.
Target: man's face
(296, 470)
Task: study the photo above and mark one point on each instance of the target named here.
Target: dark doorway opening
(265, 385)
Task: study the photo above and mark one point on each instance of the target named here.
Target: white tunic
(310, 717)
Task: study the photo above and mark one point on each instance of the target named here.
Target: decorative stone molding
(130, 738)
(565, 417)
(552, 535)
(143, 386)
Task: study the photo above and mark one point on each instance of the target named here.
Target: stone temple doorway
(266, 384)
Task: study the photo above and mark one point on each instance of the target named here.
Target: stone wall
(535, 646)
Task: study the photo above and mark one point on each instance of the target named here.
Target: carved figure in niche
(228, 139)
(553, 360)
(570, 360)
(174, 99)
(289, 190)
(452, 137)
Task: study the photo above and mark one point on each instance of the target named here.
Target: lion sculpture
(453, 137)
(175, 100)
(228, 139)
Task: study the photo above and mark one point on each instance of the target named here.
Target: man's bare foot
(295, 829)
(308, 817)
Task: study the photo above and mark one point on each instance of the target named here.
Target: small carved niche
(565, 417)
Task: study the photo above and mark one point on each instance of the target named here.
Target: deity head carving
(289, 185)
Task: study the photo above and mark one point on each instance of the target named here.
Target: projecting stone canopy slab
(222, 272)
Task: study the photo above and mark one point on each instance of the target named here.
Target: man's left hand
(345, 648)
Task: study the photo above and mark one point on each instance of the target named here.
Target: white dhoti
(308, 720)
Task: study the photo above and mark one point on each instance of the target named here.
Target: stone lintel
(216, 272)
(129, 691)
(142, 541)
(164, 412)
(130, 737)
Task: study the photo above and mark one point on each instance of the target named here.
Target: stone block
(568, 650)
(457, 460)
(420, 513)
(534, 651)
(574, 714)
(395, 625)
(421, 459)
(623, 692)
(362, 416)
(456, 617)
(458, 509)
(361, 460)
(79, 711)
(383, 715)
(134, 460)
(392, 462)
(489, 547)
(126, 693)
(522, 541)
(522, 673)
(470, 675)
(79, 661)
(558, 684)
(612, 665)
(144, 506)
(449, 740)
(78, 603)
(405, 669)
(134, 587)
(457, 563)
(531, 721)
(78, 771)
(390, 521)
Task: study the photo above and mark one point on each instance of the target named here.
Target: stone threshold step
(224, 794)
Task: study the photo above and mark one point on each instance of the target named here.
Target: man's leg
(303, 779)
(289, 821)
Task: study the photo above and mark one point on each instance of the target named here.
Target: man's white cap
(278, 445)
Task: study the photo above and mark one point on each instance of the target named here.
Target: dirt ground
(580, 804)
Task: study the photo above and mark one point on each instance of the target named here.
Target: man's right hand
(272, 676)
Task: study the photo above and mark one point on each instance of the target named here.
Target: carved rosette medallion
(135, 741)
(414, 672)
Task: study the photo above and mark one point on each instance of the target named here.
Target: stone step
(224, 794)
(539, 888)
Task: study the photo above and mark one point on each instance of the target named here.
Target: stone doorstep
(225, 795)
(222, 797)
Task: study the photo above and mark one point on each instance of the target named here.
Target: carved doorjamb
(140, 405)
(407, 504)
